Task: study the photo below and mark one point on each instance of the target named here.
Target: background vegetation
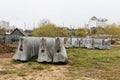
(81, 32)
(112, 31)
(50, 30)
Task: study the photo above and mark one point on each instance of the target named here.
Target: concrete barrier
(60, 54)
(47, 49)
(53, 49)
(102, 44)
(75, 42)
(27, 48)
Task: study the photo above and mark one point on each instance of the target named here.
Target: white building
(93, 22)
(96, 22)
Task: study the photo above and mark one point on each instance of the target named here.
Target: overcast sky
(60, 12)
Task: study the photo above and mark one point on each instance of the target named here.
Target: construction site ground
(83, 64)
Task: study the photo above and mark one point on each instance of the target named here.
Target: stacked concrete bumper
(47, 49)
(89, 43)
(53, 49)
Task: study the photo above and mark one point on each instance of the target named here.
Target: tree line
(51, 30)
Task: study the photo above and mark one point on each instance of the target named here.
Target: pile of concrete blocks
(74, 42)
(89, 43)
(66, 42)
(102, 44)
(54, 49)
(47, 49)
(107, 44)
(86, 43)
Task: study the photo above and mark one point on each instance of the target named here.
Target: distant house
(18, 32)
(14, 36)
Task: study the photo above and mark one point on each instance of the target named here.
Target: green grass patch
(87, 62)
(35, 66)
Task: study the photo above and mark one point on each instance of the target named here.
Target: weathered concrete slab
(60, 54)
(27, 48)
(91, 43)
(75, 42)
(102, 44)
(47, 49)
(66, 42)
(107, 44)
